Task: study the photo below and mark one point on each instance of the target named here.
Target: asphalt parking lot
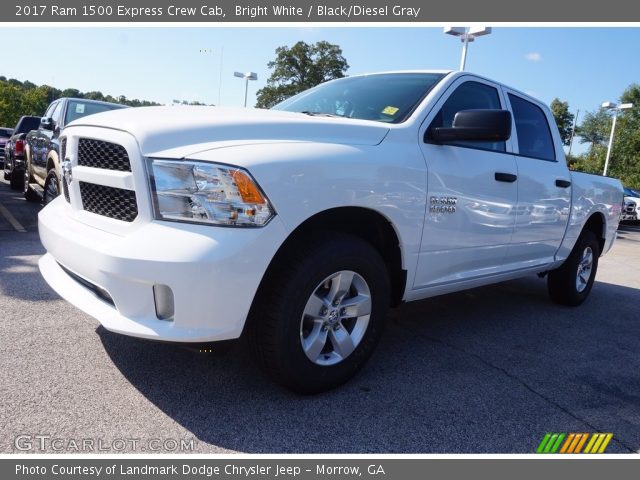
(489, 370)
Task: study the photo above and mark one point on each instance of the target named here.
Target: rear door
(544, 183)
(471, 194)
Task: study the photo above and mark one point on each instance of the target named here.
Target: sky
(582, 65)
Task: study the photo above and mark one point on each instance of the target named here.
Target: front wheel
(51, 190)
(571, 283)
(320, 312)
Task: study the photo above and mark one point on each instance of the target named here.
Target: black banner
(315, 469)
(324, 11)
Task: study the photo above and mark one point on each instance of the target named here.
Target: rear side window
(534, 136)
(470, 96)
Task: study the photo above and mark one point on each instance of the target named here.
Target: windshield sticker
(390, 111)
(80, 108)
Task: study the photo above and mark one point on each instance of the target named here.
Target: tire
(571, 283)
(29, 194)
(51, 187)
(16, 179)
(293, 312)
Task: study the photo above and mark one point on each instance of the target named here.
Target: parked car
(14, 151)
(299, 226)
(5, 134)
(631, 209)
(43, 149)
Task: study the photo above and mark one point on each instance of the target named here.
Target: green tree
(595, 128)
(36, 101)
(625, 153)
(564, 119)
(71, 92)
(11, 97)
(301, 67)
(26, 98)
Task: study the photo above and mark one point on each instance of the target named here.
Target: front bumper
(213, 272)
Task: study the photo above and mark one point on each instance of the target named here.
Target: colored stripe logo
(574, 443)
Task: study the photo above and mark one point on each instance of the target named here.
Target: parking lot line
(11, 219)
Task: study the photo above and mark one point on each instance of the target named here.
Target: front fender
(302, 179)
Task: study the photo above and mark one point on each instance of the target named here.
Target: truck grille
(101, 154)
(116, 203)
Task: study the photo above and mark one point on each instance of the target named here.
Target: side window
(57, 113)
(534, 136)
(470, 96)
(50, 110)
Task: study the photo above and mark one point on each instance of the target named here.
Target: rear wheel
(51, 190)
(572, 282)
(15, 179)
(320, 312)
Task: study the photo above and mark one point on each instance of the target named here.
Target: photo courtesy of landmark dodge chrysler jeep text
(299, 226)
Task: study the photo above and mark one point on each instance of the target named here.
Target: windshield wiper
(322, 114)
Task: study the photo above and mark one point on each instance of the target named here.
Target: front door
(471, 194)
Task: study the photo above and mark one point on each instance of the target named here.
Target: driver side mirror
(46, 123)
(474, 125)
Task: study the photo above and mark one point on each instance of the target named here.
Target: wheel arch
(365, 223)
(53, 162)
(597, 223)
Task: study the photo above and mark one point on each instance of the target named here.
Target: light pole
(210, 50)
(466, 35)
(616, 108)
(247, 76)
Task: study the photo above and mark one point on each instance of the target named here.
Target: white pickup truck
(299, 226)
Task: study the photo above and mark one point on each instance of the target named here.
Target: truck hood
(180, 131)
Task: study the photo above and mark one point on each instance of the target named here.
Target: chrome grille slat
(63, 148)
(65, 190)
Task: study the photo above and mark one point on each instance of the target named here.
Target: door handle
(505, 177)
(563, 183)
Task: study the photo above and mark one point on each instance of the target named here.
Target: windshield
(387, 97)
(631, 193)
(77, 109)
(5, 132)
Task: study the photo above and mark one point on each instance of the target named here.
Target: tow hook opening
(163, 298)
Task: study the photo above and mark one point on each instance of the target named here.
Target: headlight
(209, 193)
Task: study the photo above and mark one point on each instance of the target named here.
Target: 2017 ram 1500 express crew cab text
(299, 226)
